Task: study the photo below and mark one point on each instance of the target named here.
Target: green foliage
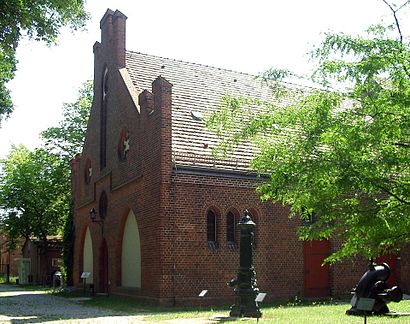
(38, 20)
(67, 139)
(64, 141)
(339, 156)
(34, 190)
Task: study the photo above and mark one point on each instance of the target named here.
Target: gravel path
(22, 306)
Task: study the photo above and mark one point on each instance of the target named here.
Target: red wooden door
(391, 260)
(316, 278)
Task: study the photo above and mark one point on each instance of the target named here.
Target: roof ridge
(294, 84)
(193, 63)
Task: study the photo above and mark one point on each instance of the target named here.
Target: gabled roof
(197, 90)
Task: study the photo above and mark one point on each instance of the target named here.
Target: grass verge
(298, 312)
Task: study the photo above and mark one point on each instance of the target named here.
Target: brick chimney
(119, 23)
(112, 27)
(106, 28)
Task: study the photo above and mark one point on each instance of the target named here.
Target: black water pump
(373, 286)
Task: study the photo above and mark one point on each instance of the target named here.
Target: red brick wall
(404, 269)
(277, 254)
(41, 269)
(139, 182)
(133, 184)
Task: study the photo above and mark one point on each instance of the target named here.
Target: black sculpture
(245, 282)
(372, 286)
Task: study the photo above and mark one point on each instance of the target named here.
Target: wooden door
(316, 277)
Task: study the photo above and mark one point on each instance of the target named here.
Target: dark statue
(372, 286)
(245, 282)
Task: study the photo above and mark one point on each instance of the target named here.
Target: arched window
(211, 229)
(88, 171)
(308, 218)
(105, 84)
(103, 121)
(123, 144)
(231, 230)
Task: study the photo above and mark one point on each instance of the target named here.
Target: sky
(245, 36)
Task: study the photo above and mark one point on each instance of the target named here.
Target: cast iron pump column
(246, 290)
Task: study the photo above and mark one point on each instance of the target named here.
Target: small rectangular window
(211, 230)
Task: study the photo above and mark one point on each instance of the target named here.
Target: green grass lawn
(328, 313)
(300, 314)
(3, 279)
(303, 312)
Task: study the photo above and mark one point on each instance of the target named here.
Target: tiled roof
(197, 90)
(53, 241)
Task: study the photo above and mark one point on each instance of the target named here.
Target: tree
(338, 155)
(34, 192)
(34, 196)
(38, 20)
(67, 139)
(64, 141)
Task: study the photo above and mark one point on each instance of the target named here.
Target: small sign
(365, 304)
(260, 297)
(85, 275)
(202, 293)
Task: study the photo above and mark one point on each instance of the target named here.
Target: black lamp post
(245, 282)
(100, 221)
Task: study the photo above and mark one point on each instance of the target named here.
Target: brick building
(41, 260)
(165, 210)
(8, 264)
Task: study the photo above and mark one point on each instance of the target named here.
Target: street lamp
(245, 282)
(93, 216)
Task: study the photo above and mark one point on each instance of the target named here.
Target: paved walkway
(22, 306)
(18, 306)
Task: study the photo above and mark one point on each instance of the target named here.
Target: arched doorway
(131, 254)
(88, 256)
